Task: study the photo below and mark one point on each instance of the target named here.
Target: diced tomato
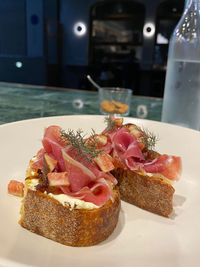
(58, 178)
(104, 161)
(16, 188)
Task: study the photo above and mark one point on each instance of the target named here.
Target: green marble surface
(19, 102)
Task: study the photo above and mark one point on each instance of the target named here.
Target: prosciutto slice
(126, 148)
(169, 166)
(128, 154)
(96, 172)
(127, 143)
(107, 147)
(79, 176)
(74, 177)
(98, 193)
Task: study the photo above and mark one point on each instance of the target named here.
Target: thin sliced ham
(168, 166)
(127, 143)
(97, 172)
(107, 147)
(127, 153)
(54, 148)
(74, 177)
(39, 162)
(53, 145)
(100, 174)
(53, 132)
(98, 193)
(79, 175)
(126, 149)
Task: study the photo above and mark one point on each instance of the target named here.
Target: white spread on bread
(64, 199)
(74, 203)
(157, 175)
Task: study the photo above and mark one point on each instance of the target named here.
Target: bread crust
(149, 193)
(44, 215)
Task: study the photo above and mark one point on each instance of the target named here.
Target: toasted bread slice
(149, 193)
(46, 216)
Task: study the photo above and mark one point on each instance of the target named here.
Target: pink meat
(79, 175)
(83, 177)
(127, 149)
(169, 166)
(98, 193)
(107, 148)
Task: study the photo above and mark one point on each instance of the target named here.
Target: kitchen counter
(20, 102)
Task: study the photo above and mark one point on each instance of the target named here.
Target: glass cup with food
(115, 100)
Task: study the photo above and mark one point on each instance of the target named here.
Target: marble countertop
(19, 102)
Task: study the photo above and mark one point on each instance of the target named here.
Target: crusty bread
(44, 215)
(149, 193)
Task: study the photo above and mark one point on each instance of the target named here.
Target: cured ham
(129, 152)
(79, 176)
(168, 166)
(107, 147)
(97, 194)
(127, 143)
(73, 175)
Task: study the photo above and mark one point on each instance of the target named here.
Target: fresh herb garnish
(111, 125)
(149, 138)
(85, 151)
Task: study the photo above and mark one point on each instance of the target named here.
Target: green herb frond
(85, 151)
(110, 124)
(149, 138)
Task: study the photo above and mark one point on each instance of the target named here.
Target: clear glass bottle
(181, 103)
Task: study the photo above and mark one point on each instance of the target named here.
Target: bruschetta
(145, 177)
(70, 196)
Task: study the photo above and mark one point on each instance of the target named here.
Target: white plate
(140, 239)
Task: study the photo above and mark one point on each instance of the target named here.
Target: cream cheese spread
(74, 203)
(157, 175)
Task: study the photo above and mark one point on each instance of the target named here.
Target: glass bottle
(181, 103)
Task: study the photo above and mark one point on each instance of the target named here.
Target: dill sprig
(110, 124)
(85, 151)
(149, 138)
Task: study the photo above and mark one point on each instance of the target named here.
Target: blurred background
(58, 42)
